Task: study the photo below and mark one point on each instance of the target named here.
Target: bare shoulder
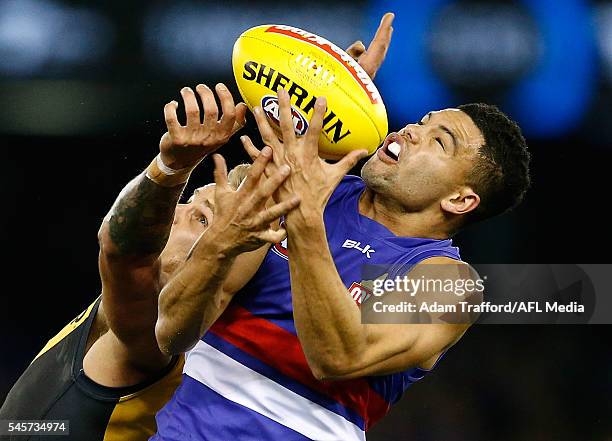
(447, 267)
(447, 288)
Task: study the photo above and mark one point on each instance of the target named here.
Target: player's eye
(439, 141)
(203, 220)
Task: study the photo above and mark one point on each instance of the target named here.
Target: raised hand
(312, 179)
(243, 219)
(185, 146)
(371, 59)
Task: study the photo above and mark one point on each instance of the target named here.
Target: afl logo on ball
(270, 106)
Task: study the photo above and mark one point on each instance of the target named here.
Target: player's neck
(399, 221)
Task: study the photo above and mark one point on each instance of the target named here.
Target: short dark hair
(501, 173)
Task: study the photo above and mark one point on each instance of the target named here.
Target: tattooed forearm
(140, 220)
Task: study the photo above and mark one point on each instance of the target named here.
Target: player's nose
(411, 133)
(179, 213)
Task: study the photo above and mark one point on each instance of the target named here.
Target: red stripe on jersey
(280, 349)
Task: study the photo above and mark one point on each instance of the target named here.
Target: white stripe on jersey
(244, 386)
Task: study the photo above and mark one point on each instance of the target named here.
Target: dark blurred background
(82, 86)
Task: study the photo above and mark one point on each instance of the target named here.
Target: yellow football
(307, 66)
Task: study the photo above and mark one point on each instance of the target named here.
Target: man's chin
(373, 175)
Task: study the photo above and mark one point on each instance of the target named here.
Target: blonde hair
(237, 175)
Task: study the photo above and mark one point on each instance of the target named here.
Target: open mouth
(392, 149)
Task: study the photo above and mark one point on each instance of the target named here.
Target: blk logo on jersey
(353, 244)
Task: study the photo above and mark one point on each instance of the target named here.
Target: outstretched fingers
(171, 118)
(270, 186)
(211, 112)
(249, 147)
(377, 50)
(265, 217)
(316, 124)
(220, 173)
(240, 120)
(256, 170)
(286, 119)
(228, 108)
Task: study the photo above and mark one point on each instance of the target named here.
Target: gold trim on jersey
(75, 323)
(133, 417)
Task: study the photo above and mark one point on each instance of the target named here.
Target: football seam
(268, 43)
(380, 138)
(262, 41)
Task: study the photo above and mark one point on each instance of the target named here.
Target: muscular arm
(328, 322)
(135, 232)
(131, 238)
(194, 299)
(139, 222)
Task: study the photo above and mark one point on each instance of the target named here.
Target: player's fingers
(377, 50)
(273, 213)
(267, 134)
(343, 166)
(220, 173)
(356, 49)
(286, 119)
(316, 124)
(273, 236)
(211, 112)
(270, 185)
(249, 147)
(170, 116)
(265, 217)
(256, 170)
(226, 124)
(240, 120)
(382, 38)
(253, 152)
(192, 109)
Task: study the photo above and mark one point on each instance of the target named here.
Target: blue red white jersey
(247, 379)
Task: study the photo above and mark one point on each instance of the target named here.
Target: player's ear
(461, 202)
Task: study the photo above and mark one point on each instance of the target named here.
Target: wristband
(165, 176)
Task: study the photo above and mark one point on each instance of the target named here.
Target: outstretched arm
(136, 230)
(193, 299)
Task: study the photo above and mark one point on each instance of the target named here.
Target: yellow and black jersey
(54, 387)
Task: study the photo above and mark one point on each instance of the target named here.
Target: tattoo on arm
(140, 220)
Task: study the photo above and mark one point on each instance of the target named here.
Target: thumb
(241, 111)
(356, 49)
(349, 161)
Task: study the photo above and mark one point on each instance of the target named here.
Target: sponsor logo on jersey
(333, 126)
(362, 291)
(359, 293)
(353, 244)
(270, 106)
